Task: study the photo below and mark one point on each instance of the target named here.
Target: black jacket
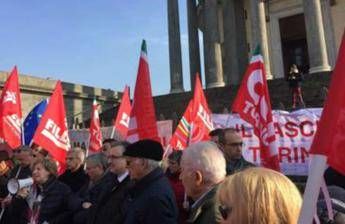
(57, 205)
(151, 201)
(107, 210)
(75, 180)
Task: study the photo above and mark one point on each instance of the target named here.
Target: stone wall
(172, 106)
(78, 98)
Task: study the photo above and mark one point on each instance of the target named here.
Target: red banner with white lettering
(252, 103)
(11, 112)
(95, 129)
(122, 119)
(52, 132)
(142, 123)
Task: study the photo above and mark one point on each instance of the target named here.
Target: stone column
(212, 47)
(193, 41)
(259, 31)
(176, 78)
(329, 32)
(317, 50)
(235, 42)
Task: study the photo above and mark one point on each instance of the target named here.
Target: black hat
(147, 148)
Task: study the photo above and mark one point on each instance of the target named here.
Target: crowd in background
(209, 182)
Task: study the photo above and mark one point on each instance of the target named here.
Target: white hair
(153, 164)
(206, 158)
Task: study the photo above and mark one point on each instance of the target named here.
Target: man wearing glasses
(232, 145)
(151, 200)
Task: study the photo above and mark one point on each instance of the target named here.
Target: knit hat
(147, 148)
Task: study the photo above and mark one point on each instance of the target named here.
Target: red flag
(201, 115)
(52, 132)
(142, 123)
(329, 139)
(253, 105)
(122, 119)
(180, 138)
(11, 112)
(95, 142)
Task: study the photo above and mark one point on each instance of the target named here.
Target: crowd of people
(209, 182)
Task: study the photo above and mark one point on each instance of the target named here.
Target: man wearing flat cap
(151, 199)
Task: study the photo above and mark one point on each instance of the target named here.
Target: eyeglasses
(235, 144)
(224, 211)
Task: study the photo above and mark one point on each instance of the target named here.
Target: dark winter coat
(57, 205)
(205, 210)
(234, 166)
(177, 186)
(75, 180)
(107, 209)
(151, 201)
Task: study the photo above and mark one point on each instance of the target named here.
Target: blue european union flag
(32, 120)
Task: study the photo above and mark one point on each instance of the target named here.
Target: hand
(6, 201)
(23, 192)
(86, 205)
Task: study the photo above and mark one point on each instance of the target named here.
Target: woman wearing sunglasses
(258, 195)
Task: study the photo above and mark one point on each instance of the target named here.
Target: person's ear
(198, 178)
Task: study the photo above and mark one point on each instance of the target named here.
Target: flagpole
(311, 193)
(112, 132)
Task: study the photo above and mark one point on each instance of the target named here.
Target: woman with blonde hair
(260, 196)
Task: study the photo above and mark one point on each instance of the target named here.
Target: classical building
(78, 98)
(303, 32)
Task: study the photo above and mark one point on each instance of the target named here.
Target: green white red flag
(253, 105)
(196, 120)
(142, 124)
(180, 138)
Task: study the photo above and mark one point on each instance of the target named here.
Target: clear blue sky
(89, 42)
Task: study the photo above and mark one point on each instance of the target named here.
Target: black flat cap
(146, 148)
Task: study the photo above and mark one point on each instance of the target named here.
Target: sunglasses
(224, 211)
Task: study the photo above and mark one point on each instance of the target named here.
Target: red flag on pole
(52, 132)
(201, 115)
(253, 105)
(328, 142)
(95, 142)
(121, 123)
(142, 123)
(330, 137)
(180, 138)
(11, 112)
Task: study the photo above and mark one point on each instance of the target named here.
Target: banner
(80, 137)
(294, 132)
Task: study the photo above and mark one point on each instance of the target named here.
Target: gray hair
(79, 153)
(98, 159)
(153, 164)
(208, 159)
